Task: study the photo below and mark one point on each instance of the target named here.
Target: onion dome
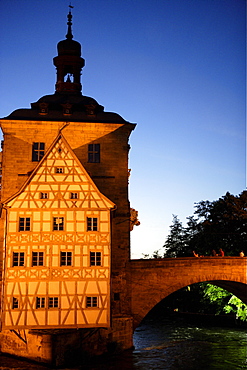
(69, 46)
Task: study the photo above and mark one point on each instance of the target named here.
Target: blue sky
(175, 67)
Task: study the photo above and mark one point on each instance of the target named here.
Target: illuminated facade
(65, 221)
(58, 247)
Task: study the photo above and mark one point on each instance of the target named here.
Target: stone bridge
(153, 280)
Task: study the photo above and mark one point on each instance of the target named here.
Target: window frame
(92, 224)
(57, 228)
(92, 302)
(39, 258)
(38, 151)
(59, 170)
(40, 303)
(43, 195)
(24, 223)
(74, 195)
(95, 258)
(18, 259)
(65, 258)
(53, 302)
(94, 153)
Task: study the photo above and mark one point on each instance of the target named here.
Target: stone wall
(68, 347)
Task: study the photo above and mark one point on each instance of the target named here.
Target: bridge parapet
(229, 260)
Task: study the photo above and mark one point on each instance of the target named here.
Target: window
(92, 224)
(43, 108)
(95, 258)
(40, 302)
(59, 169)
(18, 258)
(15, 303)
(66, 259)
(38, 151)
(58, 223)
(67, 108)
(52, 302)
(116, 296)
(73, 195)
(94, 153)
(91, 301)
(37, 258)
(43, 195)
(24, 224)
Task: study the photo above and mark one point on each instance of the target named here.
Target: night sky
(174, 67)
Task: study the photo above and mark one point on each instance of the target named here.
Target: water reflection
(170, 343)
(179, 344)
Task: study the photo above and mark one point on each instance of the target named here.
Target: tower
(65, 225)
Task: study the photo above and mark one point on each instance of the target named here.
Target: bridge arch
(154, 280)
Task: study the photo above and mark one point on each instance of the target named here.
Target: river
(170, 343)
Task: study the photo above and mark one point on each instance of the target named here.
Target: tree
(217, 224)
(175, 242)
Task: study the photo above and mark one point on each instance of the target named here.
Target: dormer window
(43, 109)
(90, 109)
(67, 109)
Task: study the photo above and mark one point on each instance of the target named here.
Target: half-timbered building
(65, 215)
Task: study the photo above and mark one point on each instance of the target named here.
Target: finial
(69, 23)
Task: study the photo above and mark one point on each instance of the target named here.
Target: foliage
(216, 296)
(214, 225)
(237, 306)
(223, 301)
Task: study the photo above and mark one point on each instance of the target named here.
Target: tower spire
(69, 63)
(69, 35)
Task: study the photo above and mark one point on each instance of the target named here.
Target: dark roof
(66, 107)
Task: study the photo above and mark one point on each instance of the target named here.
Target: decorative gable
(60, 181)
